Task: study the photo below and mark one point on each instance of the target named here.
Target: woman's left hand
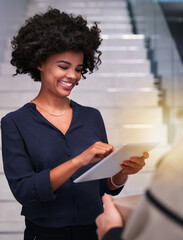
(134, 165)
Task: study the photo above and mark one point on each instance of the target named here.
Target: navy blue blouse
(32, 146)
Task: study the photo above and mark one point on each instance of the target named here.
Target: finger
(107, 152)
(135, 165)
(145, 155)
(106, 147)
(103, 144)
(103, 151)
(108, 202)
(129, 170)
(138, 160)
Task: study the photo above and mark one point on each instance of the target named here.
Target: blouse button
(68, 154)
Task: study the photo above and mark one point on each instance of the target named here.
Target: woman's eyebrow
(63, 62)
(79, 65)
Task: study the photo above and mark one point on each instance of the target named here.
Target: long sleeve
(28, 186)
(114, 234)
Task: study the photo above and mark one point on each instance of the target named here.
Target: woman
(52, 140)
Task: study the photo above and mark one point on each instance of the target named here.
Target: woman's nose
(71, 74)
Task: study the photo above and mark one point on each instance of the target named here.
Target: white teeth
(67, 84)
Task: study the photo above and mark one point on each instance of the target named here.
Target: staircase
(123, 90)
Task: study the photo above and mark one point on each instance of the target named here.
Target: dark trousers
(35, 232)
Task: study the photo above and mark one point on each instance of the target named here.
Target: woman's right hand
(95, 153)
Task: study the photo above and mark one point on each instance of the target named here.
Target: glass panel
(166, 62)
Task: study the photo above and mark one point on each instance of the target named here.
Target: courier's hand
(95, 153)
(110, 218)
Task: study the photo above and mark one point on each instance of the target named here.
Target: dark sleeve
(28, 186)
(103, 184)
(114, 234)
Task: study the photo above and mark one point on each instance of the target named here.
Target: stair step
(115, 97)
(126, 66)
(123, 40)
(114, 26)
(10, 218)
(125, 115)
(98, 4)
(111, 31)
(16, 99)
(11, 235)
(111, 11)
(96, 1)
(7, 69)
(3, 112)
(137, 133)
(1, 163)
(21, 82)
(12, 227)
(121, 44)
(122, 53)
(109, 19)
(120, 74)
(96, 10)
(5, 193)
(105, 83)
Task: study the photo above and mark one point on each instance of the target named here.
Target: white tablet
(110, 165)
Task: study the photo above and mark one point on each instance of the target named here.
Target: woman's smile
(66, 85)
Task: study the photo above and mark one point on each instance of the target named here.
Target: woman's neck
(52, 104)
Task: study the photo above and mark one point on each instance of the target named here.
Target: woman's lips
(66, 85)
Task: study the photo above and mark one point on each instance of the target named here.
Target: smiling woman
(51, 140)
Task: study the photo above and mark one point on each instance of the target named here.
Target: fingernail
(132, 159)
(126, 162)
(122, 165)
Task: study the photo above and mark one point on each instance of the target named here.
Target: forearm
(63, 172)
(118, 179)
(93, 154)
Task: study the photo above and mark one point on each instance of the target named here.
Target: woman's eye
(78, 70)
(62, 67)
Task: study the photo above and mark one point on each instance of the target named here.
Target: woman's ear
(40, 68)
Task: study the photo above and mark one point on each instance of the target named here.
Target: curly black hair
(54, 32)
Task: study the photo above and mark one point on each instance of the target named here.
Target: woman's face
(60, 72)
